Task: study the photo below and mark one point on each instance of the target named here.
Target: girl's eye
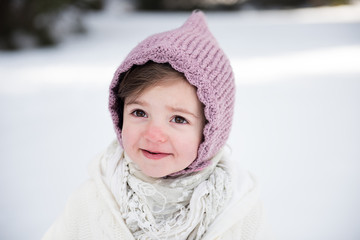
(139, 113)
(178, 119)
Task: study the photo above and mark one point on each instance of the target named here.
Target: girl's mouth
(154, 155)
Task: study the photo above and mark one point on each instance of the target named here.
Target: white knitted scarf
(167, 208)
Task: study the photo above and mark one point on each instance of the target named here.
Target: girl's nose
(155, 134)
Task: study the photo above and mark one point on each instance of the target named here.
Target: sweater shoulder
(74, 222)
(87, 216)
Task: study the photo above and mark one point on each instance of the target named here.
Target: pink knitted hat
(192, 50)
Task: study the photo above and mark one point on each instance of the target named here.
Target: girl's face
(162, 128)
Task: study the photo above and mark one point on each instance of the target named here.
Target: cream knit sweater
(92, 213)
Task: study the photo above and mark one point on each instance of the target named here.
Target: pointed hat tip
(197, 14)
(196, 17)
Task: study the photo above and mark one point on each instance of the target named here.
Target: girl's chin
(155, 174)
(152, 175)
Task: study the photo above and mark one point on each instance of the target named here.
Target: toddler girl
(168, 174)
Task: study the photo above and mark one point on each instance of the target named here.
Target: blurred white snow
(296, 124)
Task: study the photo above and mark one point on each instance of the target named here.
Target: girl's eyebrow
(182, 110)
(136, 101)
(171, 108)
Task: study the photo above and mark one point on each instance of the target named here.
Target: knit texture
(192, 50)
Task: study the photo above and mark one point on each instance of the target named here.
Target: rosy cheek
(130, 136)
(190, 148)
(126, 138)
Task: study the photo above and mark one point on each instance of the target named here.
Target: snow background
(296, 125)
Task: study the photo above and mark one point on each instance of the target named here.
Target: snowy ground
(296, 124)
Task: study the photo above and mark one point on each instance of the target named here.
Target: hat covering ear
(192, 50)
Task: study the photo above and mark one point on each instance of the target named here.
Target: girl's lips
(154, 156)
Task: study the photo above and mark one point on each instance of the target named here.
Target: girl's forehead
(166, 84)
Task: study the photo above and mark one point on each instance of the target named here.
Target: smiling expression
(162, 127)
